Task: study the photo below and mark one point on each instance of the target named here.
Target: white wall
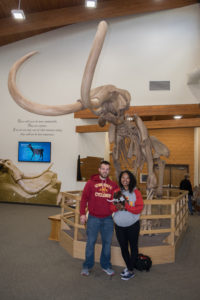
(157, 46)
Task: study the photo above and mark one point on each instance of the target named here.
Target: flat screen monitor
(34, 151)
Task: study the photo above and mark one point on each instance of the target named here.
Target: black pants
(128, 236)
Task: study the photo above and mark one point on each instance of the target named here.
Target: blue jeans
(105, 227)
(190, 204)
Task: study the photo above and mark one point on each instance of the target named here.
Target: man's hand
(83, 219)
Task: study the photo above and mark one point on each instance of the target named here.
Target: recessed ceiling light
(18, 14)
(177, 117)
(91, 3)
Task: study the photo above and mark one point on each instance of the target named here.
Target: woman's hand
(119, 206)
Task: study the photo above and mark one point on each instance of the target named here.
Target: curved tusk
(91, 63)
(47, 110)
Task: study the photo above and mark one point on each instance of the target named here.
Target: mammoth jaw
(32, 191)
(47, 110)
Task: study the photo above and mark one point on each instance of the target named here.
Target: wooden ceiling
(46, 15)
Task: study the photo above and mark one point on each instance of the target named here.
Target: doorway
(173, 174)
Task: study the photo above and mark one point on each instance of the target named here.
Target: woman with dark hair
(126, 218)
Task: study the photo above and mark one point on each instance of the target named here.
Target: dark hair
(132, 183)
(104, 162)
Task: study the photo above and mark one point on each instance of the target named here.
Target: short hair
(104, 162)
(132, 183)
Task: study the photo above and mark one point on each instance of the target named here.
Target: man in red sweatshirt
(95, 194)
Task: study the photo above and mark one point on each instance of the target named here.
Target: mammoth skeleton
(109, 104)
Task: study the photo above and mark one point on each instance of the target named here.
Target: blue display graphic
(34, 151)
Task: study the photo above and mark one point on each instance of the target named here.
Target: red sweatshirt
(132, 209)
(95, 195)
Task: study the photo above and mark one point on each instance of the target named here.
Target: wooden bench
(56, 224)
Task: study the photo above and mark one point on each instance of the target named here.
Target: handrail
(178, 214)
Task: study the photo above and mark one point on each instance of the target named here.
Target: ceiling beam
(162, 124)
(153, 110)
(52, 19)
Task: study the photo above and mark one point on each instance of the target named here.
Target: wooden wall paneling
(183, 123)
(166, 180)
(177, 174)
(180, 142)
(91, 128)
(150, 110)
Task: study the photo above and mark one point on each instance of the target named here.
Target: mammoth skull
(95, 99)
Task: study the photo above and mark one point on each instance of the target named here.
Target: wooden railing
(173, 208)
(70, 207)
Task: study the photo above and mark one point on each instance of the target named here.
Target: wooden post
(55, 228)
(186, 209)
(76, 219)
(181, 214)
(177, 218)
(173, 216)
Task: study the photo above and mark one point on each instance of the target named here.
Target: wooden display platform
(177, 212)
(158, 254)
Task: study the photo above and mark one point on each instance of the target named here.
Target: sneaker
(109, 271)
(85, 272)
(128, 276)
(124, 272)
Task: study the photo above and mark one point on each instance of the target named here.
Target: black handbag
(143, 262)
